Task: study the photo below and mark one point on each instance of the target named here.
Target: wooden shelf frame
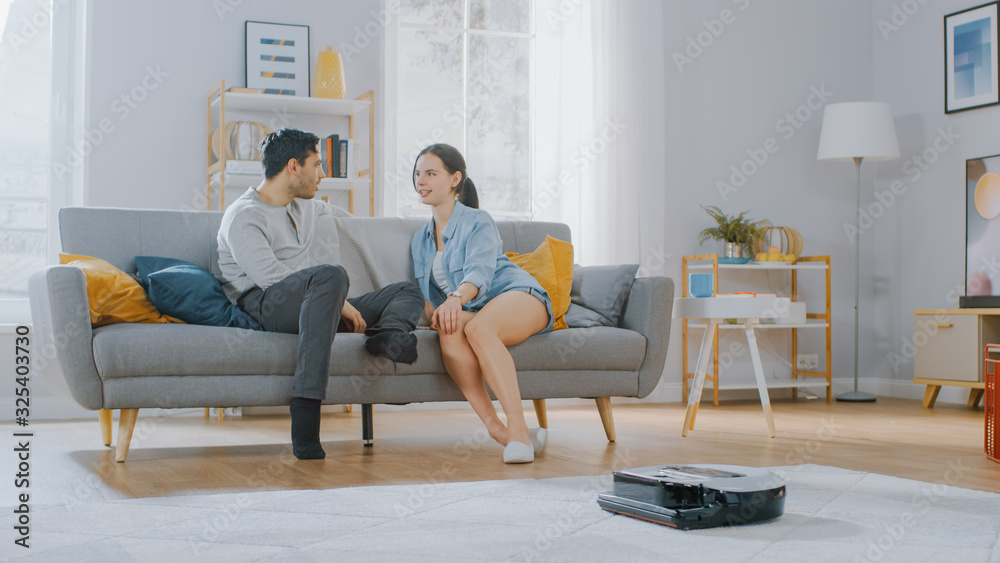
(299, 105)
(818, 320)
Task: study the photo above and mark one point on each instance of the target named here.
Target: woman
(477, 300)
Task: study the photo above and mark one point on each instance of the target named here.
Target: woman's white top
(438, 271)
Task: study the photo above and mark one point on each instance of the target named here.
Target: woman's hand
(355, 322)
(445, 319)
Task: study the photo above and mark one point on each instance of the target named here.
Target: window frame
(70, 23)
(391, 82)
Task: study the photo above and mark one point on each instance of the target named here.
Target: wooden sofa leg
(367, 427)
(104, 415)
(543, 419)
(604, 407)
(126, 424)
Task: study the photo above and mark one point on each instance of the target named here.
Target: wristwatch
(456, 293)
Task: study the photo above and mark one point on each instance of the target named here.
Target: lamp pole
(857, 396)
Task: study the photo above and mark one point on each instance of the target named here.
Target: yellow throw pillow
(552, 265)
(113, 295)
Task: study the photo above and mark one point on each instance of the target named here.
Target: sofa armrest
(64, 350)
(647, 311)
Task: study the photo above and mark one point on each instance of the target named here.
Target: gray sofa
(133, 366)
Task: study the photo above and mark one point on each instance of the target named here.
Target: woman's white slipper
(518, 452)
(538, 436)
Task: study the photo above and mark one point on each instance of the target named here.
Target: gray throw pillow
(582, 317)
(600, 291)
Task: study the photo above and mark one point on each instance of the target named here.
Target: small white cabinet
(948, 349)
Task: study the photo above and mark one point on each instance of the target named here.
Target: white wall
(155, 156)
(731, 97)
(919, 243)
(728, 100)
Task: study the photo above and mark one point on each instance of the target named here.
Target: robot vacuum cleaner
(690, 497)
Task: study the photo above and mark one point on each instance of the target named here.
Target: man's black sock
(305, 428)
(396, 345)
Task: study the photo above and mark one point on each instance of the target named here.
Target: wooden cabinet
(227, 179)
(948, 347)
(814, 321)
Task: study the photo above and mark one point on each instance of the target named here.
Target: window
(464, 78)
(24, 142)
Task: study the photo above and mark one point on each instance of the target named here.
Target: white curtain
(600, 142)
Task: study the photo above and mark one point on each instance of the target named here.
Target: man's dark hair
(283, 145)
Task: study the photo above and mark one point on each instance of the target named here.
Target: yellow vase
(330, 76)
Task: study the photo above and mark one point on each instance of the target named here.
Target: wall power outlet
(807, 361)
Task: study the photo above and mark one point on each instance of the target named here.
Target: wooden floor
(190, 454)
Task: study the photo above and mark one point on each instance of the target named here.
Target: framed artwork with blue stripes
(277, 58)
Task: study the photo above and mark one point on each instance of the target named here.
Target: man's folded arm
(254, 256)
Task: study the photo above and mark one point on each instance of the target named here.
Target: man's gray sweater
(260, 244)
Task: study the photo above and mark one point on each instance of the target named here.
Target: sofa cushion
(130, 350)
(603, 290)
(189, 292)
(112, 295)
(600, 348)
(551, 264)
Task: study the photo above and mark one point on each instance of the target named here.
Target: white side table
(714, 309)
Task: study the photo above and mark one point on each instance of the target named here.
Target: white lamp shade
(858, 130)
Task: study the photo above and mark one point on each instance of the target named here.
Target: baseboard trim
(53, 408)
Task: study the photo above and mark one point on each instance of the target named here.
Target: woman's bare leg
(508, 319)
(463, 367)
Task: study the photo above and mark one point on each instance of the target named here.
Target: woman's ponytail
(467, 194)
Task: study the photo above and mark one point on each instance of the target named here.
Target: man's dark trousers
(309, 303)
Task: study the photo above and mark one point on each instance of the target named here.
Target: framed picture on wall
(277, 58)
(970, 59)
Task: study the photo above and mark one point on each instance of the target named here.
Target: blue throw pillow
(148, 264)
(190, 293)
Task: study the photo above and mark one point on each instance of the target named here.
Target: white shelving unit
(814, 321)
(279, 109)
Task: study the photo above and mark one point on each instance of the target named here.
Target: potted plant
(736, 231)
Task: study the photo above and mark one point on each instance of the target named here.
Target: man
(269, 271)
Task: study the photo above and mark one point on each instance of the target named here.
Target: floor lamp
(857, 131)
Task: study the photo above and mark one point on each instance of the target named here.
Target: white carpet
(831, 514)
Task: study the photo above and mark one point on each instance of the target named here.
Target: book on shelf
(330, 156)
(342, 167)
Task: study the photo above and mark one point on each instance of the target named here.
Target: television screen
(982, 232)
